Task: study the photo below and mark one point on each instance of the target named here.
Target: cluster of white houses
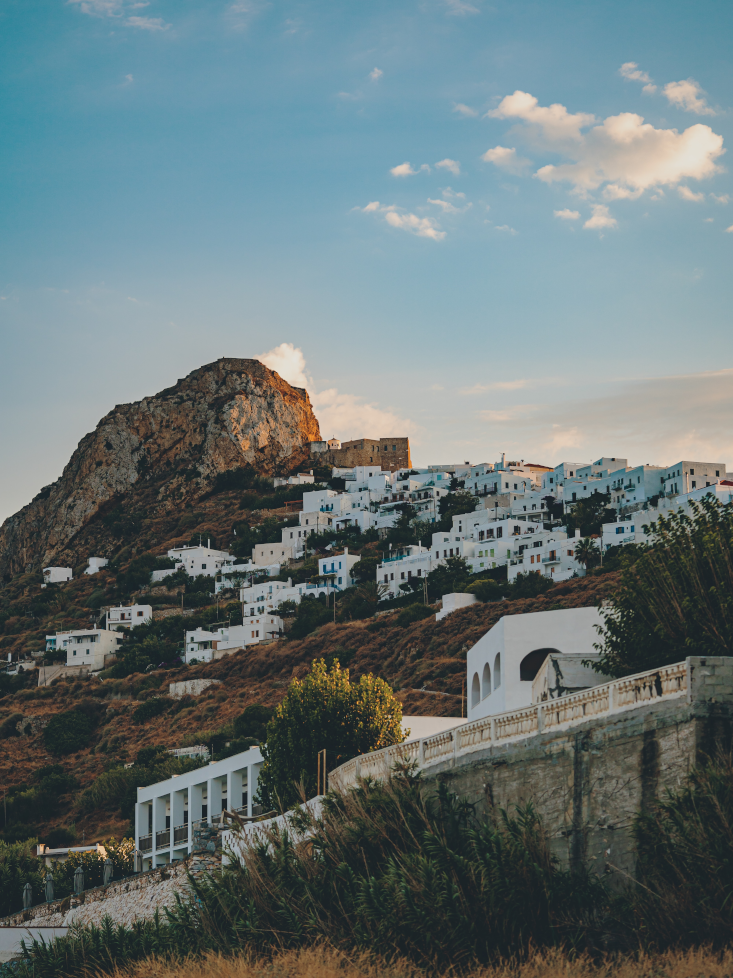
(515, 524)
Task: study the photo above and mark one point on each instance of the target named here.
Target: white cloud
(451, 194)
(459, 8)
(423, 227)
(339, 415)
(505, 227)
(242, 12)
(464, 110)
(709, 220)
(567, 214)
(406, 170)
(499, 385)
(622, 151)
(505, 159)
(688, 416)
(122, 10)
(554, 121)
(375, 74)
(687, 194)
(373, 205)
(721, 199)
(128, 80)
(453, 165)
(148, 23)
(447, 207)
(630, 70)
(600, 219)
(688, 95)
(613, 192)
(729, 230)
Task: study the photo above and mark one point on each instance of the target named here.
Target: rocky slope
(168, 448)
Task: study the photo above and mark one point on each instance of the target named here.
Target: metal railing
(180, 834)
(146, 843)
(163, 839)
(550, 715)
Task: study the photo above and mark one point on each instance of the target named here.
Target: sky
(493, 227)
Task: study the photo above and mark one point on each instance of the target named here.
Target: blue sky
(548, 276)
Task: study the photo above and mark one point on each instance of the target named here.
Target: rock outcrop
(223, 416)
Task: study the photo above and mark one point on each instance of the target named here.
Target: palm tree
(587, 552)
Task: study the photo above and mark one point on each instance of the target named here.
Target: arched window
(497, 670)
(531, 664)
(475, 691)
(486, 682)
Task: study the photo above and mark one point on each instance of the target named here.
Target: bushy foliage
(675, 597)
(69, 732)
(311, 614)
(414, 612)
(324, 711)
(18, 866)
(138, 571)
(151, 708)
(588, 515)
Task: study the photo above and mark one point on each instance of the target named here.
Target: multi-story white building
(85, 646)
(301, 479)
(129, 616)
(551, 555)
(267, 596)
(337, 569)
(503, 664)
(167, 812)
(686, 476)
(197, 560)
(403, 564)
(205, 646)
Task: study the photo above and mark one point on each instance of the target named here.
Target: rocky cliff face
(225, 415)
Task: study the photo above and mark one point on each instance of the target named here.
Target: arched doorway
(475, 690)
(531, 663)
(486, 682)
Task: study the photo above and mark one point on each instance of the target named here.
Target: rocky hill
(159, 454)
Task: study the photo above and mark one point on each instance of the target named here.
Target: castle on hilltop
(390, 454)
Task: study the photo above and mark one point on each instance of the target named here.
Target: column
(252, 774)
(234, 790)
(213, 790)
(141, 821)
(159, 807)
(177, 800)
(195, 802)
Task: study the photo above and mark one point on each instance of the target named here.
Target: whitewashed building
(128, 616)
(402, 566)
(95, 564)
(56, 575)
(166, 812)
(206, 646)
(337, 569)
(85, 646)
(503, 664)
(197, 560)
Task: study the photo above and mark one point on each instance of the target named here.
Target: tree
(587, 552)
(67, 733)
(453, 504)
(451, 576)
(324, 711)
(589, 515)
(675, 597)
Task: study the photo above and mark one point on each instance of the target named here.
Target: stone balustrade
(607, 699)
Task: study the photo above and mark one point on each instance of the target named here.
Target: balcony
(163, 839)
(552, 559)
(180, 834)
(146, 843)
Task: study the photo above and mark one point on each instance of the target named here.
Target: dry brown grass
(328, 963)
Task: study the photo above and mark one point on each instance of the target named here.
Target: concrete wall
(587, 783)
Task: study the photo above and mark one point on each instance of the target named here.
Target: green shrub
(253, 722)
(414, 612)
(67, 733)
(151, 708)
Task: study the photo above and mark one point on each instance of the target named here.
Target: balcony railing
(146, 843)
(180, 834)
(163, 839)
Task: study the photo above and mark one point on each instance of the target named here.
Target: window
(486, 682)
(497, 670)
(475, 690)
(692, 471)
(437, 555)
(386, 578)
(694, 484)
(492, 553)
(570, 553)
(717, 472)
(419, 573)
(619, 529)
(139, 614)
(531, 664)
(499, 532)
(203, 567)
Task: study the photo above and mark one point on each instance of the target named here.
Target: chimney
(577, 533)
(503, 460)
(346, 551)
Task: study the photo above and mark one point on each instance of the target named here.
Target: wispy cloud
(464, 110)
(506, 228)
(630, 70)
(122, 10)
(721, 198)
(453, 165)
(688, 95)
(396, 217)
(339, 415)
(498, 385)
(406, 170)
(148, 23)
(241, 13)
(447, 207)
(600, 218)
(459, 8)
(506, 159)
(567, 215)
(375, 74)
(687, 194)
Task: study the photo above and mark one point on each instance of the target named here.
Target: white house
(56, 575)
(551, 554)
(502, 665)
(95, 564)
(404, 564)
(129, 616)
(267, 596)
(301, 479)
(85, 646)
(195, 561)
(167, 812)
(685, 476)
(338, 569)
(205, 646)
(264, 554)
